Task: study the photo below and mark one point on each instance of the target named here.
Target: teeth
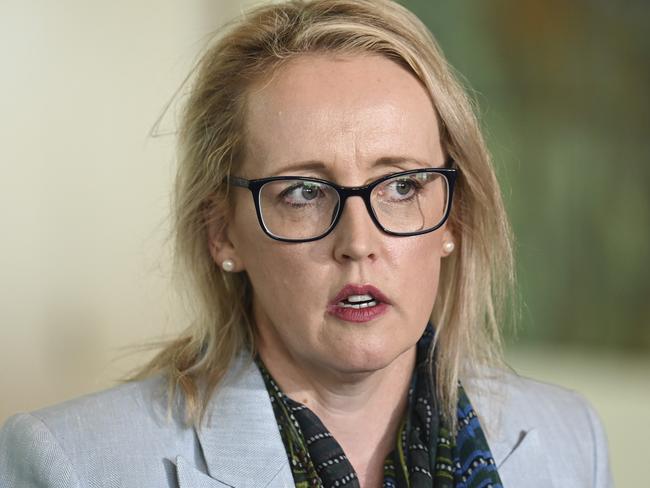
(371, 303)
(359, 298)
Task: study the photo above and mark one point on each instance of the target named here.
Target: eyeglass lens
(300, 209)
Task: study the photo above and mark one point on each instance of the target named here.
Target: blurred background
(562, 91)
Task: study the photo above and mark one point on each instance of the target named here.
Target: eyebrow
(301, 166)
(315, 165)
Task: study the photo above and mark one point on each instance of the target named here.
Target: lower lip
(358, 315)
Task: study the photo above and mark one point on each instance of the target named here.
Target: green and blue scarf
(426, 453)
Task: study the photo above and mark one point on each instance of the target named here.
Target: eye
(403, 187)
(301, 192)
(309, 191)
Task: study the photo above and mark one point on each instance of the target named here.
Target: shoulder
(102, 417)
(93, 436)
(531, 402)
(553, 425)
(145, 399)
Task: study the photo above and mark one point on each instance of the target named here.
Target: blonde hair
(474, 281)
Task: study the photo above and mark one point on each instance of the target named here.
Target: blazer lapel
(514, 443)
(522, 459)
(189, 476)
(240, 440)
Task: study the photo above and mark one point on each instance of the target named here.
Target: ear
(219, 242)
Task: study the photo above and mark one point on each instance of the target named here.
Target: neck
(363, 410)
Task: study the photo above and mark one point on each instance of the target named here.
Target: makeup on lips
(358, 303)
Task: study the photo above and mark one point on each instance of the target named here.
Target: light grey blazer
(540, 436)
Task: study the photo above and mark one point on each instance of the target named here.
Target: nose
(356, 237)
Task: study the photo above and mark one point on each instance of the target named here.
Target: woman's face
(348, 120)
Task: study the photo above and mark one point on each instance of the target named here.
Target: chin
(367, 359)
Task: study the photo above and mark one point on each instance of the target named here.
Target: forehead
(346, 112)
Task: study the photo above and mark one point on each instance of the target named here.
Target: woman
(348, 254)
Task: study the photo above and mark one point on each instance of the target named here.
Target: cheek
(417, 269)
(416, 255)
(285, 278)
(283, 272)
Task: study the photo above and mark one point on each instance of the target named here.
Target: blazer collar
(240, 439)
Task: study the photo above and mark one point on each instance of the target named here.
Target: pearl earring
(228, 265)
(448, 247)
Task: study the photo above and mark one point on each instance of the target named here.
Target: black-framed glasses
(303, 209)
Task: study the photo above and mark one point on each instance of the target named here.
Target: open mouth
(358, 301)
(359, 296)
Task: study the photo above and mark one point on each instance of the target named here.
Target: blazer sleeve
(31, 457)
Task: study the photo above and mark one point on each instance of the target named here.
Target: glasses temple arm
(236, 181)
(450, 163)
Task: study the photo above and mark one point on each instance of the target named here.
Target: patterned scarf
(425, 454)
